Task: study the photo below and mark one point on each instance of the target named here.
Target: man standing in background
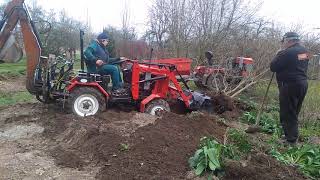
(290, 65)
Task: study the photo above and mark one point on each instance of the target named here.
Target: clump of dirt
(222, 103)
(161, 150)
(260, 166)
(178, 107)
(227, 107)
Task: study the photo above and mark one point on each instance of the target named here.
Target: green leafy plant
(240, 141)
(231, 151)
(249, 102)
(268, 121)
(249, 117)
(207, 157)
(307, 158)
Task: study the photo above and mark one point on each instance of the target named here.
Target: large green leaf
(200, 168)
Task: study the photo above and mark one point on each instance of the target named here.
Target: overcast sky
(102, 13)
(109, 12)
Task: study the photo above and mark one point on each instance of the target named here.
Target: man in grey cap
(290, 65)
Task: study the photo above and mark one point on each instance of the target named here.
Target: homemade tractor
(149, 85)
(220, 77)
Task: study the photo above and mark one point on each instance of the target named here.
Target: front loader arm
(15, 12)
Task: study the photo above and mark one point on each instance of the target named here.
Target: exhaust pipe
(81, 50)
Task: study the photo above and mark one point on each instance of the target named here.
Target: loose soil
(260, 166)
(44, 142)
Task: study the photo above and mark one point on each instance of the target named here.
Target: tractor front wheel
(86, 101)
(157, 106)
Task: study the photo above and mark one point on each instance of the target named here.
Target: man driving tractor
(98, 61)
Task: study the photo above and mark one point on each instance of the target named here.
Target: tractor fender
(77, 84)
(148, 99)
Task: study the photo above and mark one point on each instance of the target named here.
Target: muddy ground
(44, 142)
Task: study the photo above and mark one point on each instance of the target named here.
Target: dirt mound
(66, 158)
(155, 149)
(260, 166)
(161, 150)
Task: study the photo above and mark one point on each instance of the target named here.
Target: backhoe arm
(15, 12)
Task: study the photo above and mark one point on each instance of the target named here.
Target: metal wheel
(86, 101)
(216, 83)
(157, 106)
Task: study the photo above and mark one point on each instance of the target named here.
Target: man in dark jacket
(98, 61)
(290, 65)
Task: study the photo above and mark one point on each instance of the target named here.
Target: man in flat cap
(290, 65)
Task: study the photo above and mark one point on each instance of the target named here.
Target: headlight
(83, 80)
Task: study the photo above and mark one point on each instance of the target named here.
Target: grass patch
(310, 112)
(260, 90)
(13, 69)
(309, 131)
(14, 98)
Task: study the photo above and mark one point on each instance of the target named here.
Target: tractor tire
(215, 82)
(155, 107)
(86, 101)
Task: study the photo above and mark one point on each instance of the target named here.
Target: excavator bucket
(11, 52)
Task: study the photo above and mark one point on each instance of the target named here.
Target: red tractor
(90, 93)
(219, 77)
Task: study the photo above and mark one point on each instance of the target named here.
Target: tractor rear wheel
(215, 82)
(155, 107)
(86, 101)
(199, 84)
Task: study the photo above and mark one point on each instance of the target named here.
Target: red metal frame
(162, 89)
(75, 83)
(203, 72)
(183, 64)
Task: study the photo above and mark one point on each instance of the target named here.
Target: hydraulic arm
(16, 12)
